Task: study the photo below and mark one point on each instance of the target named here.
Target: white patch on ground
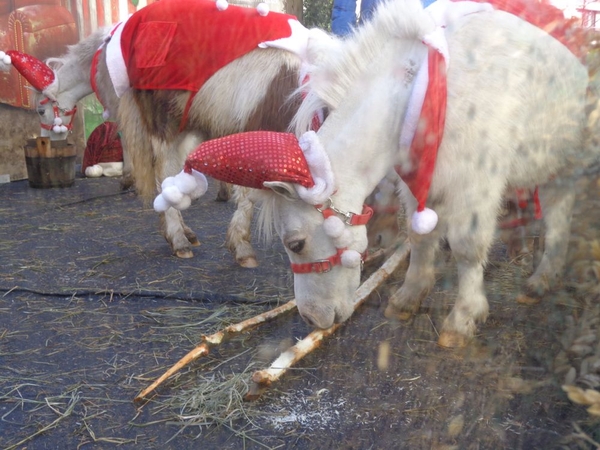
(311, 409)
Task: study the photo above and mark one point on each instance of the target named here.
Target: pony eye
(297, 246)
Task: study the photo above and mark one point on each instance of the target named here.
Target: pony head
(55, 120)
(300, 171)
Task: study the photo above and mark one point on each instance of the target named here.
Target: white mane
(80, 53)
(334, 73)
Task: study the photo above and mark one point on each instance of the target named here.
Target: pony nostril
(309, 321)
(379, 239)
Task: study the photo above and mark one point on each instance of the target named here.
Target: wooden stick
(262, 379)
(214, 340)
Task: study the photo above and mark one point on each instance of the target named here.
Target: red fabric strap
(93, 70)
(321, 266)
(429, 132)
(351, 218)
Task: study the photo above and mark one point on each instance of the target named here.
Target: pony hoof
(452, 339)
(194, 242)
(184, 254)
(391, 312)
(528, 299)
(248, 263)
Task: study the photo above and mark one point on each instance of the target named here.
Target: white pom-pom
(185, 182)
(56, 129)
(57, 121)
(6, 59)
(169, 181)
(263, 9)
(201, 185)
(184, 203)
(424, 222)
(93, 171)
(160, 204)
(351, 259)
(334, 227)
(63, 129)
(222, 5)
(106, 114)
(172, 195)
(344, 240)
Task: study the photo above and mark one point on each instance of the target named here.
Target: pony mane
(338, 66)
(80, 53)
(266, 202)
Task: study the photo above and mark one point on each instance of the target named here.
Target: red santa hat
(250, 159)
(39, 75)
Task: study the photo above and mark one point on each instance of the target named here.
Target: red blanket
(179, 44)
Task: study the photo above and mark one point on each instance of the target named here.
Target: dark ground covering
(93, 308)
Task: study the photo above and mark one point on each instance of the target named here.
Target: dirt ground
(93, 308)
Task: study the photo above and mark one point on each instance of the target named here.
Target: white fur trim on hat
(94, 171)
(320, 169)
(112, 169)
(179, 191)
(296, 43)
(424, 222)
(115, 62)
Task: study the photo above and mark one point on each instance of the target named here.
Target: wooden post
(294, 7)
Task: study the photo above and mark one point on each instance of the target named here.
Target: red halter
(325, 265)
(57, 111)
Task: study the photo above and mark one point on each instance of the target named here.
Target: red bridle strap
(57, 110)
(321, 266)
(351, 218)
(325, 265)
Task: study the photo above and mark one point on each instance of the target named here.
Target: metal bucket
(50, 164)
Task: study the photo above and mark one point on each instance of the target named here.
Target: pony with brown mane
(515, 102)
(254, 87)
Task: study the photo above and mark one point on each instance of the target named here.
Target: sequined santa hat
(254, 158)
(250, 159)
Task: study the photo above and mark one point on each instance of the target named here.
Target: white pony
(514, 119)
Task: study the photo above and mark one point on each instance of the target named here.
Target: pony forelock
(267, 202)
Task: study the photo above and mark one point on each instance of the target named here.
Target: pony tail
(137, 149)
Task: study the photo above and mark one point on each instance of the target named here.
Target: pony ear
(284, 189)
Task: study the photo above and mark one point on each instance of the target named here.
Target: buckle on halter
(329, 205)
(322, 266)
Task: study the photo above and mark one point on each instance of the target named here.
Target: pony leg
(238, 232)
(169, 161)
(557, 205)
(420, 276)
(224, 193)
(470, 236)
